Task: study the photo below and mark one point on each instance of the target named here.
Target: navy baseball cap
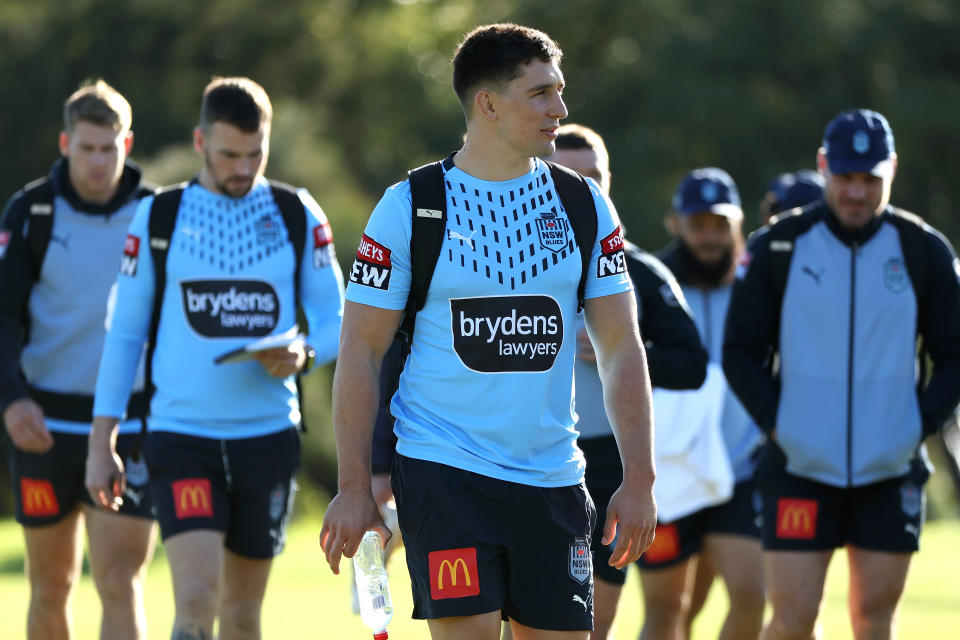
(859, 141)
(791, 190)
(708, 189)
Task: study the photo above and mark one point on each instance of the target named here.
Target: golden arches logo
(452, 572)
(197, 496)
(796, 518)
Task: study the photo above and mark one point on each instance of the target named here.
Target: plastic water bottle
(376, 608)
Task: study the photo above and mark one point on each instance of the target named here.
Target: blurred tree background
(361, 93)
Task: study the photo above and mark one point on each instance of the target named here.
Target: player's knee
(242, 620)
(50, 588)
(197, 600)
(876, 605)
(118, 584)
(746, 596)
(794, 617)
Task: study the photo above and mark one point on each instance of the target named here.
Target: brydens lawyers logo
(4, 241)
(796, 518)
(372, 266)
(612, 261)
(38, 498)
(128, 261)
(506, 333)
(453, 573)
(580, 560)
(192, 498)
(665, 546)
(230, 308)
(323, 254)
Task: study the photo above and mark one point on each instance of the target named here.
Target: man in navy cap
(720, 528)
(789, 191)
(838, 295)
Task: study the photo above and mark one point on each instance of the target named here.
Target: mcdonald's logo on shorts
(38, 498)
(453, 573)
(192, 498)
(666, 545)
(796, 518)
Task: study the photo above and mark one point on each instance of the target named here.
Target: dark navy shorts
(476, 544)
(675, 541)
(803, 515)
(48, 486)
(243, 487)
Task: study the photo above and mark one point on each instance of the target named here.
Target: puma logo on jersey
(813, 274)
(456, 235)
(577, 598)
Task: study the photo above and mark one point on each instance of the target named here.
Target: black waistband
(78, 407)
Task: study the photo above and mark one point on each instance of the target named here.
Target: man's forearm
(103, 433)
(356, 394)
(627, 397)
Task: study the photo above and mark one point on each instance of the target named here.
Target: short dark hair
(578, 136)
(237, 101)
(495, 53)
(99, 103)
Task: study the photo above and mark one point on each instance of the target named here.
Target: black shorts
(803, 515)
(476, 544)
(676, 541)
(48, 486)
(244, 487)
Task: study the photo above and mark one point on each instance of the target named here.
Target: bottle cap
(380, 635)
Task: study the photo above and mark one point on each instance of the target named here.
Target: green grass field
(306, 601)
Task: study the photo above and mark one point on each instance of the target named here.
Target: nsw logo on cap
(861, 142)
(709, 191)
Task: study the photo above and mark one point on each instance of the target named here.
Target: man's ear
(64, 143)
(198, 140)
(670, 224)
(484, 103)
(128, 142)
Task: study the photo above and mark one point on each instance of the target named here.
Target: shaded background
(361, 93)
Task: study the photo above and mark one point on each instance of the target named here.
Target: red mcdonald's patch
(192, 498)
(796, 518)
(38, 498)
(453, 573)
(666, 545)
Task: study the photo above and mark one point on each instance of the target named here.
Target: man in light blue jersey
(59, 240)
(223, 448)
(488, 478)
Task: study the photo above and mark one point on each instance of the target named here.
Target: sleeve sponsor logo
(666, 545)
(129, 259)
(552, 231)
(796, 519)
(4, 242)
(503, 334)
(612, 261)
(453, 573)
(192, 498)
(38, 498)
(323, 252)
(230, 308)
(581, 564)
(372, 266)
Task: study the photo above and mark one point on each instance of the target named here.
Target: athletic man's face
(232, 158)
(96, 154)
(587, 162)
(529, 109)
(856, 197)
(710, 237)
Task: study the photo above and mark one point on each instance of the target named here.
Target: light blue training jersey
(488, 385)
(230, 280)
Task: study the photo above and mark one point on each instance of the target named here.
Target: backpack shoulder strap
(39, 196)
(581, 210)
(163, 218)
(429, 210)
(913, 242)
(295, 219)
